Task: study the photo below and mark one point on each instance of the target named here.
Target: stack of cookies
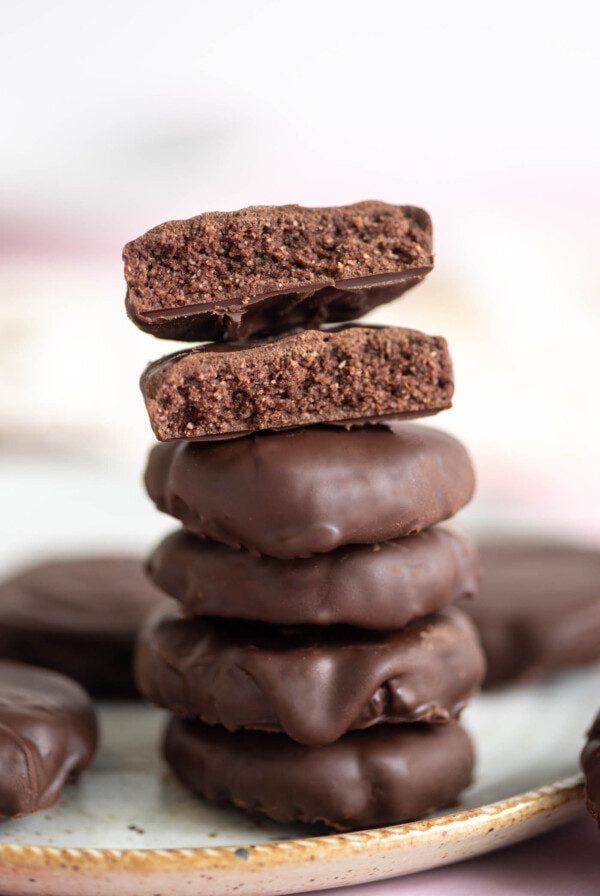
(315, 665)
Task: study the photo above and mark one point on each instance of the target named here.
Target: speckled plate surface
(130, 829)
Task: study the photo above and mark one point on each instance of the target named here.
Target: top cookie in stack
(263, 271)
(310, 510)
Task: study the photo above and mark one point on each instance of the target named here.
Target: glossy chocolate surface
(48, 735)
(368, 778)
(538, 609)
(313, 684)
(290, 495)
(382, 586)
(78, 616)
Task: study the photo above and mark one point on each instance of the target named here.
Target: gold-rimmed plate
(129, 828)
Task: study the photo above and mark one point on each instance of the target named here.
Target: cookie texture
(265, 269)
(348, 376)
(48, 735)
(366, 779)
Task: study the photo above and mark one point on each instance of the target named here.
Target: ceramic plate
(130, 829)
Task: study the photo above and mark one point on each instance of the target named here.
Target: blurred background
(120, 115)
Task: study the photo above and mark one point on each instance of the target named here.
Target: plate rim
(454, 826)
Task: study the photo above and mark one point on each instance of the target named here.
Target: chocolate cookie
(80, 617)
(590, 763)
(538, 609)
(266, 269)
(383, 586)
(48, 735)
(311, 491)
(350, 375)
(368, 778)
(312, 684)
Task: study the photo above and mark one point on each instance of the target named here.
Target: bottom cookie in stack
(383, 775)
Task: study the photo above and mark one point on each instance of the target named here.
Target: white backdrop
(123, 114)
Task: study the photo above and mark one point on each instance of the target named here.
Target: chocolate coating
(262, 270)
(79, 616)
(294, 494)
(348, 375)
(368, 778)
(590, 763)
(538, 609)
(314, 685)
(48, 735)
(382, 586)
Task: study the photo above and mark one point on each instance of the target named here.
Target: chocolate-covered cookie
(590, 763)
(264, 269)
(313, 490)
(313, 684)
(79, 616)
(381, 586)
(368, 778)
(48, 735)
(350, 375)
(538, 609)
